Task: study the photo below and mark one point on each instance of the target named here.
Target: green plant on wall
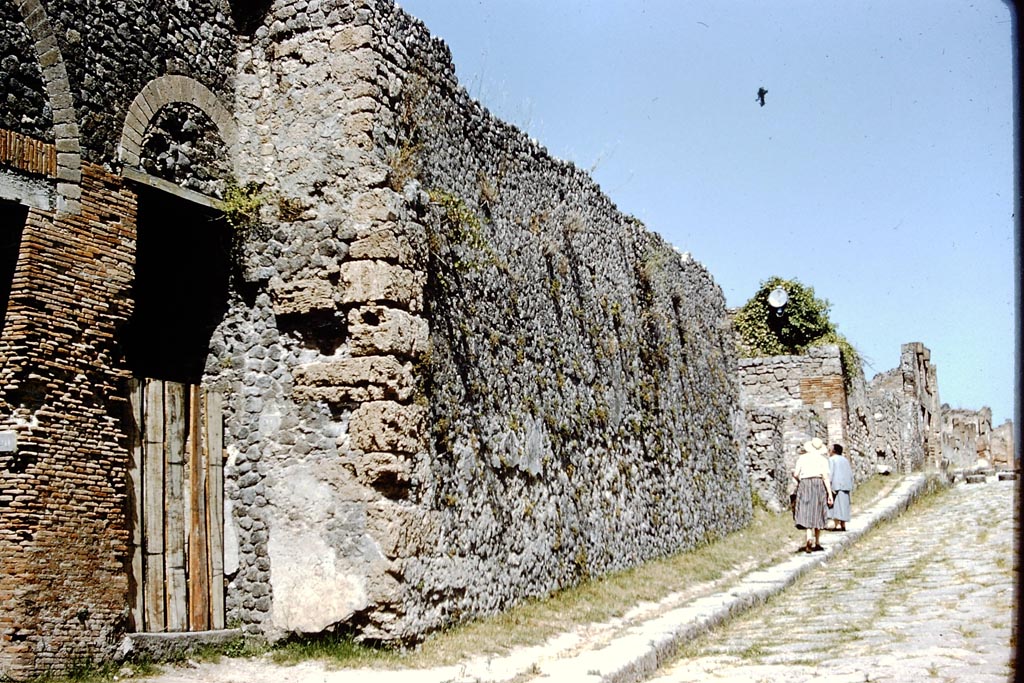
(802, 323)
(241, 207)
(459, 242)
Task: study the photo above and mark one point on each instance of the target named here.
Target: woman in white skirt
(813, 491)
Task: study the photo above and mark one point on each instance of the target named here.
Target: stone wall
(1004, 455)
(25, 108)
(967, 437)
(112, 49)
(478, 381)
(766, 457)
(906, 412)
(809, 393)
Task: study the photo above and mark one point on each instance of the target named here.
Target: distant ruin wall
(1003, 447)
(906, 413)
(969, 440)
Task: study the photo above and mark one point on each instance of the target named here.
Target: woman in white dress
(813, 491)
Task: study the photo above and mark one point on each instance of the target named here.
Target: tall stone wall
(478, 381)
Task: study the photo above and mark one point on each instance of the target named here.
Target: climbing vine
(803, 322)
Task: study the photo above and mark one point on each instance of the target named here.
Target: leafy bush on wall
(803, 322)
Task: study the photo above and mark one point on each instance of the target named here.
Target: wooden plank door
(176, 487)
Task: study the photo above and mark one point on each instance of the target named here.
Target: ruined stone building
(1004, 454)
(892, 423)
(297, 336)
(970, 440)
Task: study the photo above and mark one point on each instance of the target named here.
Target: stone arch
(58, 89)
(157, 94)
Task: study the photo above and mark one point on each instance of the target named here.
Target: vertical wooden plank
(136, 450)
(153, 505)
(198, 557)
(215, 504)
(175, 427)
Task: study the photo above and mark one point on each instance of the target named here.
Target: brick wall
(63, 535)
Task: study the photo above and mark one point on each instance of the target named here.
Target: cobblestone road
(928, 597)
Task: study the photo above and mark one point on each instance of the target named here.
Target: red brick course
(28, 155)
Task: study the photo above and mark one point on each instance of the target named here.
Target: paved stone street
(929, 596)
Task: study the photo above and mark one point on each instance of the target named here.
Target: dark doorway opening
(249, 14)
(182, 272)
(12, 225)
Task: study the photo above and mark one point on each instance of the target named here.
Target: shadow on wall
(12, 224)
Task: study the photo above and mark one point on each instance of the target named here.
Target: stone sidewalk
(626, 650)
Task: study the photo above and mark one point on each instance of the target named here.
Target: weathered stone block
(351, 37)
(314, 583)
(388, 426)
(384, 244)
(353, 65)
(401, 530)
(377, 205)
(373, 281)
(301, 296)
(386, 472)
(381, 330)
(354, 380)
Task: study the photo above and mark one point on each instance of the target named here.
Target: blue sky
(880, 171)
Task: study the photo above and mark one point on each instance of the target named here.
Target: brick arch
(58, 90)
(157, 94)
